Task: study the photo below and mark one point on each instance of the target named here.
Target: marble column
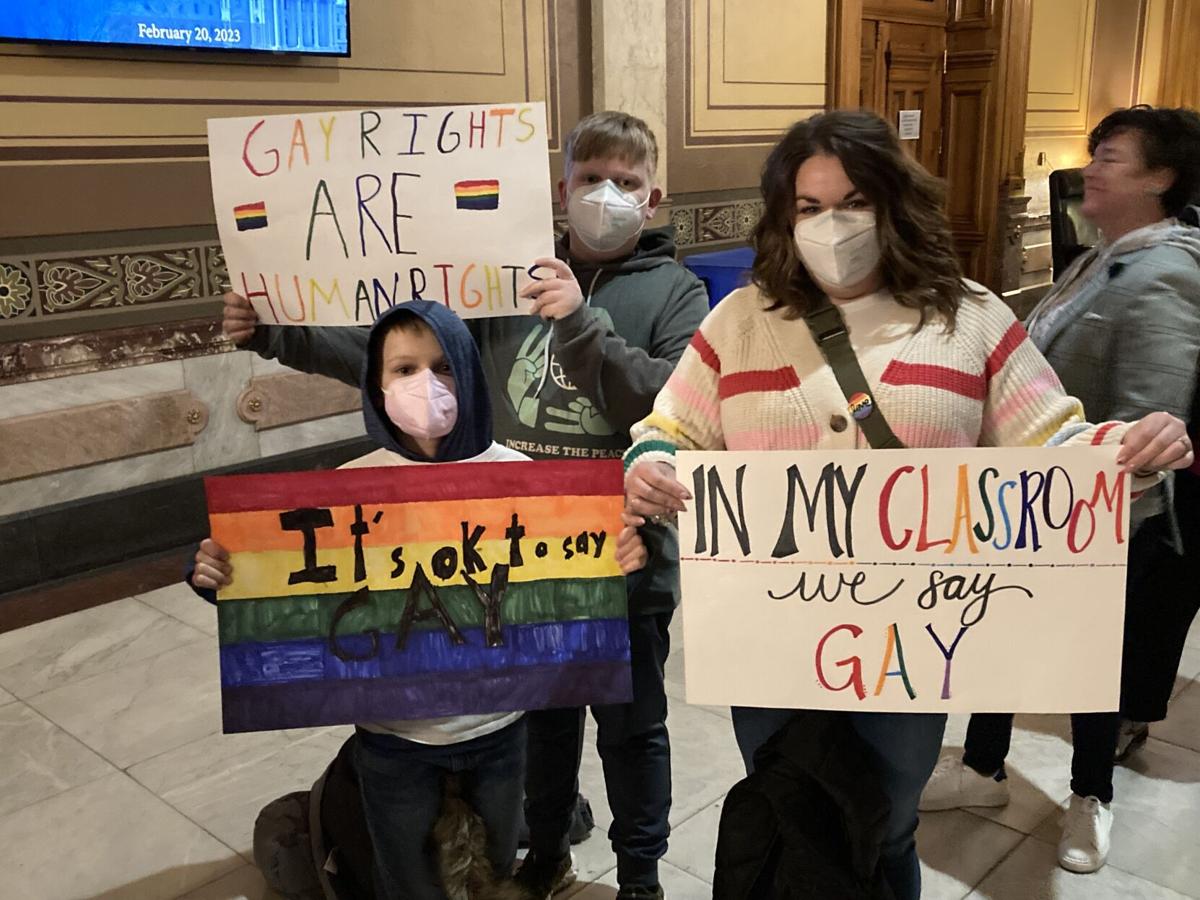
(629, 64)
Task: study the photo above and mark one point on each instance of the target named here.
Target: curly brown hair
(920, 266)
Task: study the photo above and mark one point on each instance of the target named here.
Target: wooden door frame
(1006, 64)
(843, 49)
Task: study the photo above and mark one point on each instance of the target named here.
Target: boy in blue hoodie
(612, 316)
(420, 361)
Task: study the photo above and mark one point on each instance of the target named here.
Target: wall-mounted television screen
(275, 26)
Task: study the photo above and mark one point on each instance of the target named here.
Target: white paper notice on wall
(910, 124)
(331, 218)
(970, 580)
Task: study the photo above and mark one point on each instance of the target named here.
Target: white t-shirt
(449, 729)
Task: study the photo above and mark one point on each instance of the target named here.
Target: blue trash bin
(722, 271)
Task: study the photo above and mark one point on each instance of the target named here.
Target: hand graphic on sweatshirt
(526, 375)
(580, 417)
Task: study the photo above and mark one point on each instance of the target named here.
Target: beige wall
(738, 74)
(1087, 58)
(108, 123)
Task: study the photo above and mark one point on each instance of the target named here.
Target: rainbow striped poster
(410, 592)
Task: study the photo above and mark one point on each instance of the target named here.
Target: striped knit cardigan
(754, 380)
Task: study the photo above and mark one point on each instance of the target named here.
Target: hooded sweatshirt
(571, 388)
(469, 441)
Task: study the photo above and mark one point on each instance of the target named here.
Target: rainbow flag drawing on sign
(477, 194)
(419, 591)
(250, 216)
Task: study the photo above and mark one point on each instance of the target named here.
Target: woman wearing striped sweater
(848, 215)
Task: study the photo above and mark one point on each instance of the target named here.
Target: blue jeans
(401, 783)
(905, 747)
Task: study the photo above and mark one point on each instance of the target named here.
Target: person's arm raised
(620, 379)
(335, 352)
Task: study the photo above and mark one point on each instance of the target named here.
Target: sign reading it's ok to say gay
(410, 592)
(980, 580)
(331, 218)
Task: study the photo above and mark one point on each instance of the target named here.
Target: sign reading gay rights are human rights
(413, 592)
(906, 580)
(331, 218)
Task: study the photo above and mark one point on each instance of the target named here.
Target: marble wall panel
(38, 359)
(262, 366)
(31, 397)
(85, 435)
(217, 380)
(629, 56)
(30, 494)
(311, 434)
(271, 401)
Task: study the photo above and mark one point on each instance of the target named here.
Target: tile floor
(117, 783)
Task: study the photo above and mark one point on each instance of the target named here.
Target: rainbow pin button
(861, 406)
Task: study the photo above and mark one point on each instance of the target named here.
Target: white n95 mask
(604, 217)
(839, 247)
(420, 405)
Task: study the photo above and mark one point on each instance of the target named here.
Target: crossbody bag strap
(829, 331)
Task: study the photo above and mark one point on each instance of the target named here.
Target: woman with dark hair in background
(1122, 330)
(850, 218)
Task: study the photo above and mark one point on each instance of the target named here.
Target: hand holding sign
(213, 570)
(555, 296)
(238, 319)
(651, 490)
(1156, 442)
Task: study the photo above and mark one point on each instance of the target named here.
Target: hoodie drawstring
(587, 301)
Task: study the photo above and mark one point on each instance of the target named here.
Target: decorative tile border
(77, 283)
(64, 285)
(74, 283)
(714, 223)
(82, 283)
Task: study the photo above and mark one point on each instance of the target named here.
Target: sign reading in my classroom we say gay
(905, 580)
(412, 592)
(331, 218)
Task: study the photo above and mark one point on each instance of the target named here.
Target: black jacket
(809, 823)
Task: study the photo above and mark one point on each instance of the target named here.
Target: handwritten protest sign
(905, 580)
(418, 591)
(331, 218)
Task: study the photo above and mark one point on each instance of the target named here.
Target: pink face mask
(421, 405)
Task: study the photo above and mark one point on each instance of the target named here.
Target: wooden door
(902, 70)
(975, 98)
(986, 87)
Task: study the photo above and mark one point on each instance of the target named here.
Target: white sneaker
(1085, 836)
(954, 784)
